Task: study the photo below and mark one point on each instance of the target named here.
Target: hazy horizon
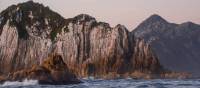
(126, 12)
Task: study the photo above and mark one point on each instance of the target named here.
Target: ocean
(118, 83)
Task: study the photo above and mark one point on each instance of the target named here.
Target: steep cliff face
(26, 33)
(176, 45)
(30, 31)
(144, 58)
(94, 47)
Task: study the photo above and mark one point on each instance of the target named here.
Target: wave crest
(17, 83)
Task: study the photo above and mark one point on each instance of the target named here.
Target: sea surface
(118, 83)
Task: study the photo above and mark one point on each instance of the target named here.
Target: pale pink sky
(127, 12)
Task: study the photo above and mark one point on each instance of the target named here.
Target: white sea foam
(17, 83)
(117, 83)
(89, 78)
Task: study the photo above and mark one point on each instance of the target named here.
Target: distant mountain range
(30, 32)
(176, 45)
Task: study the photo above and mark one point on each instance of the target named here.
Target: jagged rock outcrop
(26, 33)
(52, 71)
(30, 31)
(144, 58)
(176, 45)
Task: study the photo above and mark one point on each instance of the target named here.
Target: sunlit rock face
(30, 31)
(26, 33)
(176, 45)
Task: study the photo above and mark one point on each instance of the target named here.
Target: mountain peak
(31, 15)
(156, 18)
(120, 26)
(28, 8)
(151, 25)
(83, 17)
(30, 2)
(153, 20)
(188, 23)
(30, 5)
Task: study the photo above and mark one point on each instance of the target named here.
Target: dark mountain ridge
(177, 45)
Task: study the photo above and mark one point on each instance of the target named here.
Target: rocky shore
(52, 71)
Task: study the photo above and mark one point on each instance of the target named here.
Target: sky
(126, 12)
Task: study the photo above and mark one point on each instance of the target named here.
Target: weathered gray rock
(176, 45)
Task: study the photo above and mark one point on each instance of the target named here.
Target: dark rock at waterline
(52, 71)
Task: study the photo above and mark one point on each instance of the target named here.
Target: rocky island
(38, 43)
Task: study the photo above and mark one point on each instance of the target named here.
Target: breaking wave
(17, 83)
(117, 83)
